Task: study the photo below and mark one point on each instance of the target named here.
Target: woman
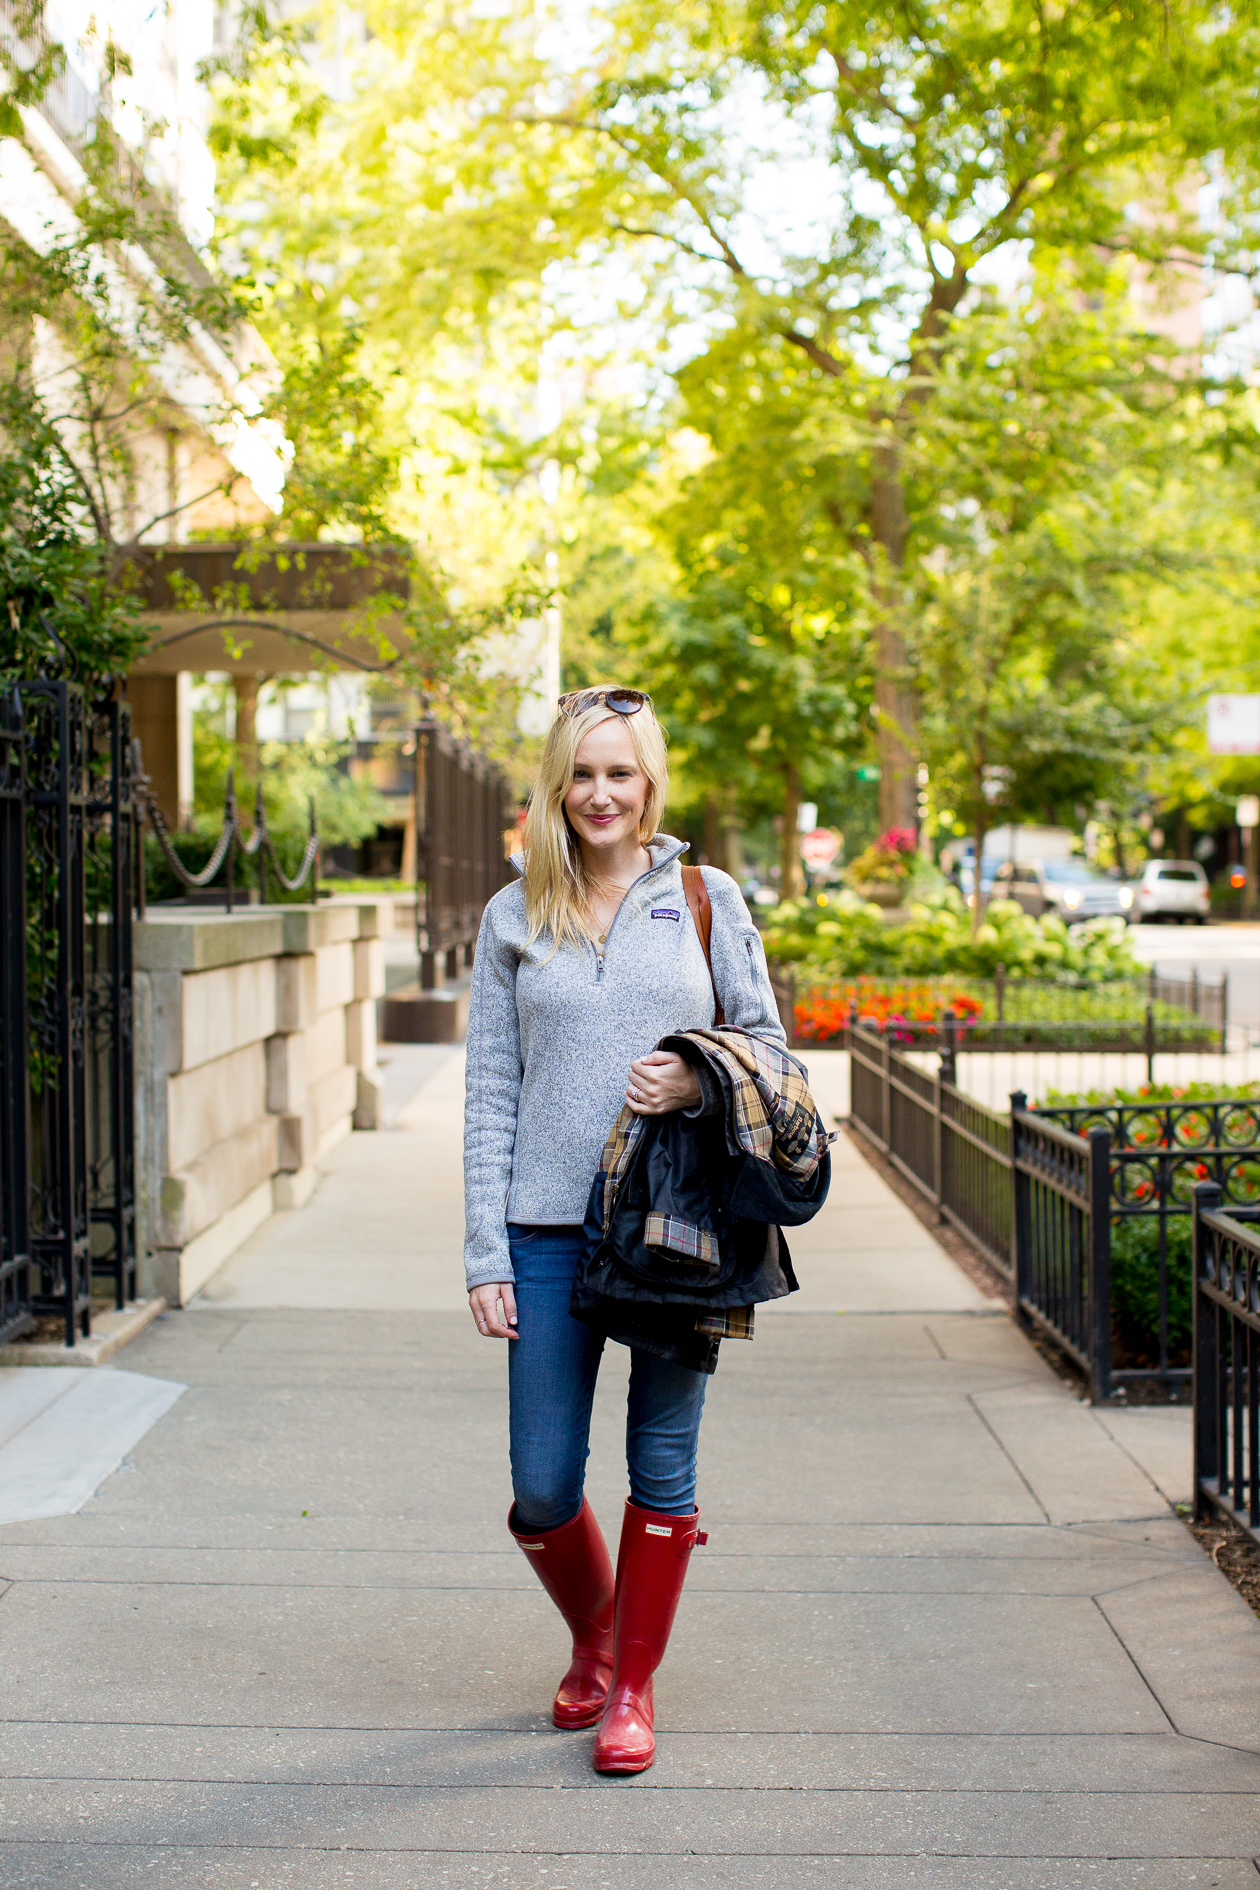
(581, 967)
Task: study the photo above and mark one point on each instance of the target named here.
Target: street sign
(819, 848)
(1233, 725)
(807, 817)
(1247, 812)
(868, 771)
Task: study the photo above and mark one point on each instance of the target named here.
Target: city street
(1211, 950)
(946, 1631)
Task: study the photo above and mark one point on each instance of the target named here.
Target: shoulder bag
(697, 894)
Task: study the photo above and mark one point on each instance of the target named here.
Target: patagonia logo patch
(666, 912)
(654, 1529)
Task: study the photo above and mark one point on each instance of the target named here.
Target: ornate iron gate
(69, 872)
(15, 1282)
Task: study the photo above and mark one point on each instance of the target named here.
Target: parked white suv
(1070, 889)
(1172, 889)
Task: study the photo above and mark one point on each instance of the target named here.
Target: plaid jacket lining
(672, 1234)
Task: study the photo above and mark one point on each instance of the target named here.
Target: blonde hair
(558, 886)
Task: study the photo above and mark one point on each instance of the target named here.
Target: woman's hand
(484, 1301)
(662, 1082)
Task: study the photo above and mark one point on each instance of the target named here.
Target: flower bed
(915, 1009)
(909, 1011)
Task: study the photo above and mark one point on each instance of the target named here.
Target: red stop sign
(819, 848)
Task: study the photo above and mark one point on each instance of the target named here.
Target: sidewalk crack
(1006, 1453)
(1137, 1666)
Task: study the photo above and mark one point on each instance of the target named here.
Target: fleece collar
(663, 848)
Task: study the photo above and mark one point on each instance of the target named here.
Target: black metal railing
(976, 1193)
(1016, 1184)
(114, 870)
(1062, 1246)
(954, 1150)
(73, 800)
(15, 1269)
(1226, 1363)
(462, 806)
(71, 875)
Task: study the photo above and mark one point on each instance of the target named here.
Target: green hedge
(1135, 1288)
(830, 936)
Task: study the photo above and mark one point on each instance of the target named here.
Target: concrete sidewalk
(946, 1632)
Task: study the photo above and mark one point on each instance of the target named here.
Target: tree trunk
(711, 843)
(977, 910)
(245, 689)
(896, 720)
(1117, 840)
(731, 853)
(791, 878)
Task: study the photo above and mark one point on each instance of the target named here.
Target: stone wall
(255, 1055)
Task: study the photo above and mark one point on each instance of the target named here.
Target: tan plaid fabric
(776, 1120)
(670, 1234)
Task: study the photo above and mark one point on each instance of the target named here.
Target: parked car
(1069, 888)
(1172, 889)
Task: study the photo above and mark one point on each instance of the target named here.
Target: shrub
(839, 936)
(1152, 1093)
(837, 931)
(1135, 1287)
(888, 861)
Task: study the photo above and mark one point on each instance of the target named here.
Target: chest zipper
(600, 955)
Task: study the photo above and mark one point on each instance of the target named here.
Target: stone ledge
(110, 1332)
(178, 940)
(307, 928)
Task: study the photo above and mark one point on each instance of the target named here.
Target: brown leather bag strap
(702, 913)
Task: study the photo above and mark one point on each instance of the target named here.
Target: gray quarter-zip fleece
(551, 1037)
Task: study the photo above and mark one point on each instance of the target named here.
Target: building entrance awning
(279, 610)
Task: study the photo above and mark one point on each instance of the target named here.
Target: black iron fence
(1049, 1195)
(69, 878)
(1061, 1239)
(15, 1283)
(1226, 1362)
(462, 812)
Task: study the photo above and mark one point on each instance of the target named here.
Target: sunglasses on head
(620, 701)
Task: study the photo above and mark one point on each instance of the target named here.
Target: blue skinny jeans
(552, 1368)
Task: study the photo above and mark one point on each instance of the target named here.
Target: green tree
(58, 605)
(952, 131)
(759, 657)
(88, 316)
(1044, 466)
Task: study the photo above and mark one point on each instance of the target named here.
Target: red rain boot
(651, 1568)
(572, 1564)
